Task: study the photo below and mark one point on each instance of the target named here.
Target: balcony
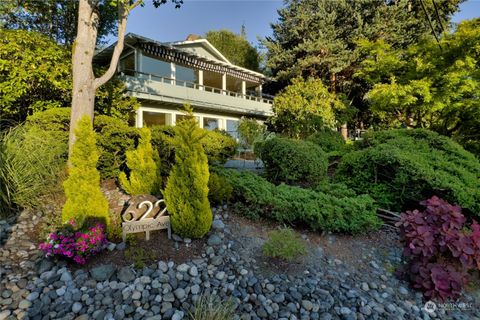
(156, 88)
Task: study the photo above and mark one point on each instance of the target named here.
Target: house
(164, 76)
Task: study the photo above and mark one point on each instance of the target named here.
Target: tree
(85, 200)
(57, 19)
(303, 108)
(143, 162)
(35, 75)
(427, 85)
(235, 47)
(318, 38)
(186, 192)
(85, 83)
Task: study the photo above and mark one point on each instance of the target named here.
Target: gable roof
(204, 43)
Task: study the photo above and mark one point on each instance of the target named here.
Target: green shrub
(32, 162)
(219, 146)
(289, 204)
(82, 187)
(212, 308)
(398, 168)
(161, 142)
(142, 162)
(285, 244)
(186, 192)
(330, 141)
(219, 190)
(292, 161)
(249, 132)
(115, 138)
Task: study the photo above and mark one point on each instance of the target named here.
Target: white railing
(193, 85)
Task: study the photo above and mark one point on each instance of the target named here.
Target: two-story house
(164, 76)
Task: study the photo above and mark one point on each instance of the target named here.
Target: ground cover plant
(284, 244)
(256, 197)
(292, 161)
(400, 167)
(441, 247)
(210, 307)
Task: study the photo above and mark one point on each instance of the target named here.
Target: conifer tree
(144, 172)
(186, 192)
(82, 187)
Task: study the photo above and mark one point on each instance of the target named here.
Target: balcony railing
(193, 85)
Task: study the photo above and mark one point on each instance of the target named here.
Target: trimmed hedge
(292, 161)
(289, 204)
(398, 168)
(330, 141)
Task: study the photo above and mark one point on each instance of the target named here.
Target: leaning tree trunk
(83, 95)
(84, 82)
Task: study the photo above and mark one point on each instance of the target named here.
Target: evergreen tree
(144, 175)
(186, 192)
(85, 200)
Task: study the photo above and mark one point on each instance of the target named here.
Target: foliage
(400, 167)
(319, 38)
(34, 74)
(441, 248)
(161, 142)
(235, 48)
(211, 308)
(219, 190)
(57, 19)
(140, 256)
(144, 177)
(256, 197)
(292, 161)
(285, 244)
(186, 192)
(330, 141)
(82, 187)
(428, 85)
(114, 137)
(249, 131)
(76, 246)
(32, 163)
(219, 146)
(303, 108)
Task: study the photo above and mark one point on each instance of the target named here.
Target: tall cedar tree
(85, 200)
(143, 162)
(186, 193)
(318, 38)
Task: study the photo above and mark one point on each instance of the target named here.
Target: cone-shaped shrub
(186, 192)
(144, 172)
(85, 200)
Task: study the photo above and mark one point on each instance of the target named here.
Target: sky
(199, 16)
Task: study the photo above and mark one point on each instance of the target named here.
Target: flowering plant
(75, 245)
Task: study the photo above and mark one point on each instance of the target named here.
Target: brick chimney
(193, 37)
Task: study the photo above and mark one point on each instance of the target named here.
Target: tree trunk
(83, 95)
(84, 82)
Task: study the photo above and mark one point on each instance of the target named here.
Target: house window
(210, 123)
(180, 117)
(127, 65)
(156, 68)
(232, 126)
(156, 118)
(185, 76)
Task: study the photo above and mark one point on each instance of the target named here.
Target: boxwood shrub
(330, 141)
(292, 161)
(256, 197)
(398, 168)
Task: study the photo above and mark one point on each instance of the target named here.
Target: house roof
(133, 41)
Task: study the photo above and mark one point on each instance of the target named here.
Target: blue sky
(199, 16)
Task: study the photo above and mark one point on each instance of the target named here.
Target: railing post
(224, 83)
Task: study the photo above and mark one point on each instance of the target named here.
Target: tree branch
(123, 11)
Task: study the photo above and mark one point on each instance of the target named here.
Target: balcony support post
(200, 80)
(244, 89)
(139, 118)
(173, 72)
(224, 83)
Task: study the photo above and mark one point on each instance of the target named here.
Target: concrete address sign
(145, 216)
